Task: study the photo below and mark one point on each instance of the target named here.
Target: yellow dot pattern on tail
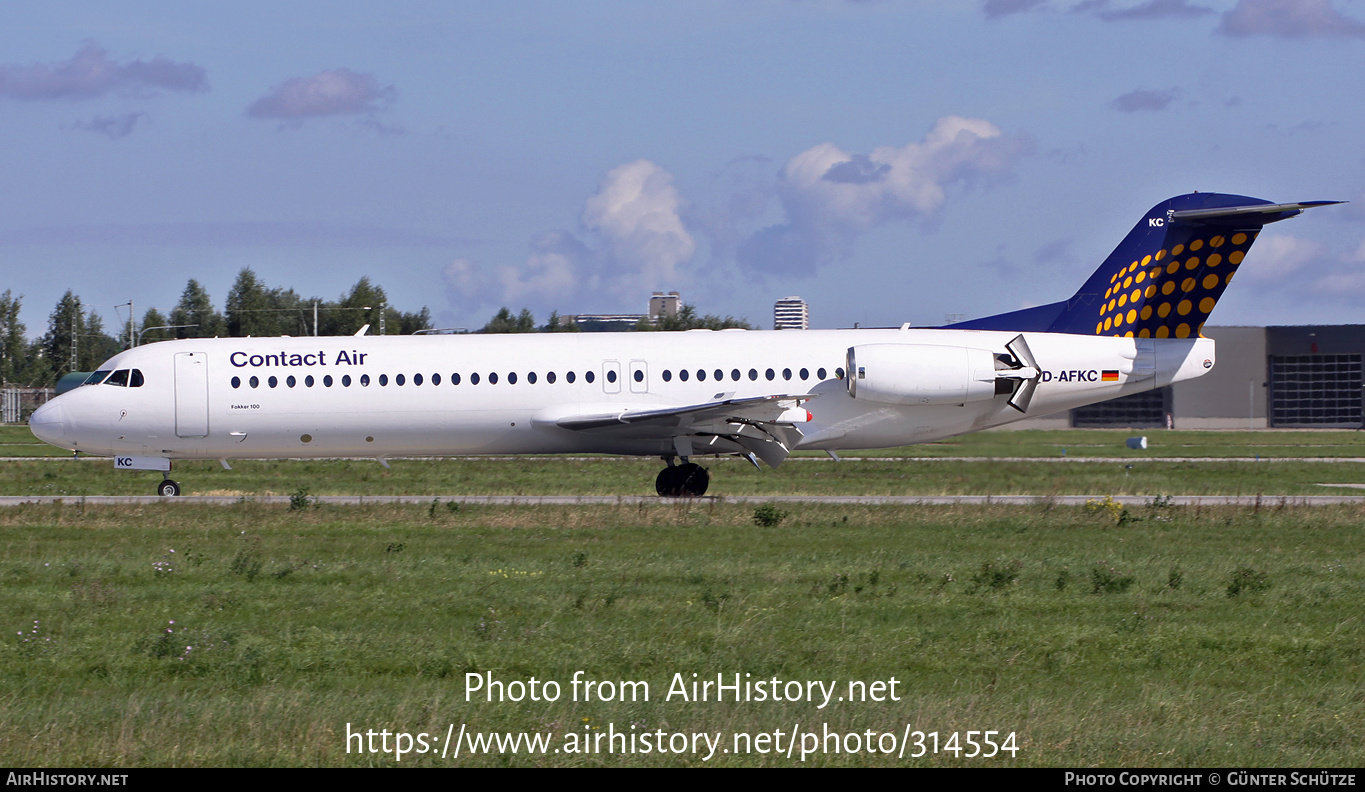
(1170, 293)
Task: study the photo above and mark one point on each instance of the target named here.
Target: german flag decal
(1109, 376)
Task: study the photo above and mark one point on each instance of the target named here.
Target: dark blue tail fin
(1164, 277)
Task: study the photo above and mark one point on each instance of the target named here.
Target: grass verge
(252, 635)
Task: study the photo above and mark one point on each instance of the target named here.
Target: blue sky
(888, 161)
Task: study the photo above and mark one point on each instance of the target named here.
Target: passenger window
(769, 374)
(274, 381)
(531, 377)
(570, 376)
(493, 378)
(135, 379)
(383, 380)
(364, 380)
(589, 376)
(236, 382)
(346, 380)
(753, 374)
(701, 375)
(611, 376)
(290, 381)
(805, 374)
(399, 379)
(639, 375)
(454, 379)
(474, 378)
(511, 378)
(839, 373)
(327, 380)
(435, 379)
(667, 375)
(786, 374)
(683, 375)
(720, 375)
(308, 380)
(416, 379)
(820, 374)
(734, 374)
(254, 382)
(550, 377)
(119, 378)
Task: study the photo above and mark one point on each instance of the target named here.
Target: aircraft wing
(765, 427)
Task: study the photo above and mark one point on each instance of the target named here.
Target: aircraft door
(639, 376)
(191, 394)
(611, 376)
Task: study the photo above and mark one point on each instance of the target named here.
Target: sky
(887, 161)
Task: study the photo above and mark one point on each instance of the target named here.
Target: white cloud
(90, 73)
(994, 9)
(1146, 100)
(1277, 258)
(1152, 9)
(636, 212)
(637, 244)
(114, 127)
(1289, 19)
(830, 195)
(552, 272)
(331, 92)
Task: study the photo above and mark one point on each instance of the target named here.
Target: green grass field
(1156, 637)
(947, 468)
(18, 441)
(251, 634)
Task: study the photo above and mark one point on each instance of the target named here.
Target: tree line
(687, 318)
(77, 339)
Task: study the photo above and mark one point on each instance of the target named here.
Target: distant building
(661, 305)
(790, 313)
(602, 323)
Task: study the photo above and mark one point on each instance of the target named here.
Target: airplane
(1133, 326)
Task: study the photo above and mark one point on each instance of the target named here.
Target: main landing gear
(688, 480)
(168, 488)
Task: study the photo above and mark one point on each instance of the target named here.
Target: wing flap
(757, 408)
(762, 426)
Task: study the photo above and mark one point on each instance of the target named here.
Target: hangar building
(1300, 377)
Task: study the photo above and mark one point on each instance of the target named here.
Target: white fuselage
(502, 394)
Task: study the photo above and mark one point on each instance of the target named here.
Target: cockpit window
(119, 378)
(135, 380)
(96, 378)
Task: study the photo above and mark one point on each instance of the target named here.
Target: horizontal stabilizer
(1202, 215)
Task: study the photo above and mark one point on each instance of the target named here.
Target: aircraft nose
(48, 423)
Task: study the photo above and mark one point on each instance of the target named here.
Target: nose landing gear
(688, 480)
(168, 488)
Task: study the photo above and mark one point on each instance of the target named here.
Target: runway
(1262, 501)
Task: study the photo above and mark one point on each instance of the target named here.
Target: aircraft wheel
(688, 480)
(693, 479)
(168, 489)
(668, 483)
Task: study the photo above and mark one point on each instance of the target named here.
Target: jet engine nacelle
(920, 374)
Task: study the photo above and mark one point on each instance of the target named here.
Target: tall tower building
(790, 313)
